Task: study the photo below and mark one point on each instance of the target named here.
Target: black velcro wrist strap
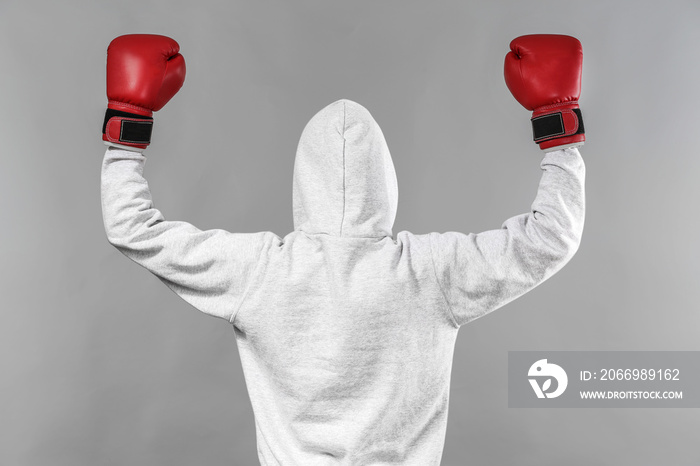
(136, 129)
(138, 132)
(552, 125)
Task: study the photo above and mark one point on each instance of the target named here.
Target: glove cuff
(571, 145)
(126, 128)
(557, 124)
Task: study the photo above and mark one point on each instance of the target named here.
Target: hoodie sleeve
(479, 273)
(208, 269)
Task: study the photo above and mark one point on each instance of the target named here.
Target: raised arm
(479, 273)
(208, 269)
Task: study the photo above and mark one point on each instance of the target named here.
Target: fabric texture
(346, 332)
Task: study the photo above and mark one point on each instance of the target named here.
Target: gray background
(102, 364)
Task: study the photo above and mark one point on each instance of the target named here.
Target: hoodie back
(346, 332)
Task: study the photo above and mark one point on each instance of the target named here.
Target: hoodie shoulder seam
(342, 218)
(267, 240)
(451, 314)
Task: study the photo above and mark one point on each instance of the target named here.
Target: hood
(344, 178)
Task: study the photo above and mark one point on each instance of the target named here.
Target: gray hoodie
(345, 331)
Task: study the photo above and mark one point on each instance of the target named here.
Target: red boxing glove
(144, 72)
(543, 72)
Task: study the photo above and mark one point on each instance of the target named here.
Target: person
(346, 331)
